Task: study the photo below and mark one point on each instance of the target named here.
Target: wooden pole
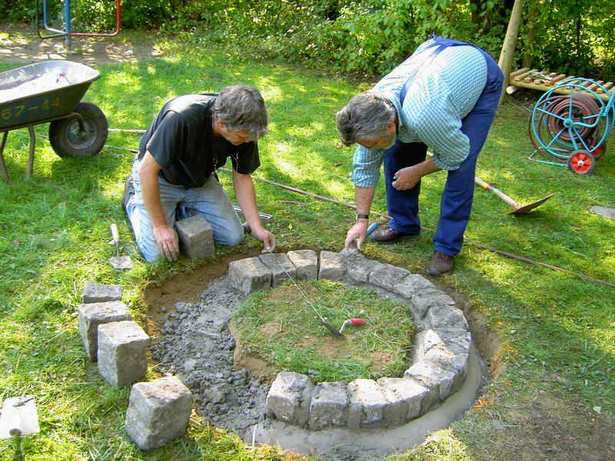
(510, 41)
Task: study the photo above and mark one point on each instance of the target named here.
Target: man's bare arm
(246, 196)
(357, 233)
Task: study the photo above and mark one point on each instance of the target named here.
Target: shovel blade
(525, 209)
(121, 262)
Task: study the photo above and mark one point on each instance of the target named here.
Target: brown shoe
(384, 234)
(440, 264)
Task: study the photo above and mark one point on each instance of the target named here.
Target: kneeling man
(444, 97)
(174, 174)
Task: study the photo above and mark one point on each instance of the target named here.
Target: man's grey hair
(366, 116)
(241, 108)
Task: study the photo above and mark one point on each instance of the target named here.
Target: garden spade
(117, 261)
(518, 209)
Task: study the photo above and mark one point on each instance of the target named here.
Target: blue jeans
(456, 203)
(177, 202)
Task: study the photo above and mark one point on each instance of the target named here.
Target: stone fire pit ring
(439, 361)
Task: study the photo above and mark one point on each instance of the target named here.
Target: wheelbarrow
(51, 92)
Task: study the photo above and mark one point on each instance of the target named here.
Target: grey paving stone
(280, 266)
(306, 263)
(94, 314)
(449, 349)
(424, 300)
(443, 316)
(404, 398)
(289, 398)
(329, 406)
(332, 266)
(412, 284)
(434, 377)
(358, 267)
(158, 412)
(196, 237)
(249, 274)
(387, 276)
(121, 352)
(367, 403)
(100, 293)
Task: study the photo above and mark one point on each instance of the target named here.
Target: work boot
(440, 264)
(386, 234)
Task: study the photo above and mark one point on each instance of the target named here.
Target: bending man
(174, 174)
(444, 97)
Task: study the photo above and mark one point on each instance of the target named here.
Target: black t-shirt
(182, 141)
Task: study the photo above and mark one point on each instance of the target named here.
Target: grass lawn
(552, 354)
(281, 328)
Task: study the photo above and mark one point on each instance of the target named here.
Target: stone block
(280, 266)
(449, 349)
(424, 300)
(404, 398)
(196, 237)
(94, 314)
(121, 352)
(445, 316)
(100, 293)
(158, 412)
(367, 403)
(306, 263)
(387, 276)
(413, 284)
(329, 406)
(332, 266)
(249, 274)
(444, 382)
(358, 267)
(289, 398)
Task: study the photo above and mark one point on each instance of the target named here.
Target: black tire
(68, 139)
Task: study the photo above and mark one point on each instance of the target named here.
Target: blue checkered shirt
(441, 91)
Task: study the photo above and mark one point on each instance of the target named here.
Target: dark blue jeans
(456, 203)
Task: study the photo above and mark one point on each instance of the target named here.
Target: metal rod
(30, 166)
(3, 169)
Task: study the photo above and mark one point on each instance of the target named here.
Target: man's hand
(406, 178)
(356, 234)
(167, 241)
(266, 237)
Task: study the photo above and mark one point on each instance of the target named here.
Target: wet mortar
(193, 341)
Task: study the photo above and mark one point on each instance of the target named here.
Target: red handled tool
(355, 322)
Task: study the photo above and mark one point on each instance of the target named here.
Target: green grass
(556, 332)
(281, 328)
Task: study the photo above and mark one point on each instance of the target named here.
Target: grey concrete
(445, 316)
(433, 376)
(196, 237)
(94, 314)
(121, 352)
(412, 284)
(280, 266)
(404, 398)
(367, 404)
(329, 406)
(604, 211)
(249, 274)
(332, 266)
(306, 263)
(387, 276)
(424, 300)
(289, 398)
(158, 412)
(371, 444)
(100, 293)
(358, 267)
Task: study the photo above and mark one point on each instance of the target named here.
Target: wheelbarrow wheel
(581, 162)
(69, 138)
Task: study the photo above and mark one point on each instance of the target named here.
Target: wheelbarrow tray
(41, 92)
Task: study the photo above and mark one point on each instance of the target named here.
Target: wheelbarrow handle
(496, 191)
